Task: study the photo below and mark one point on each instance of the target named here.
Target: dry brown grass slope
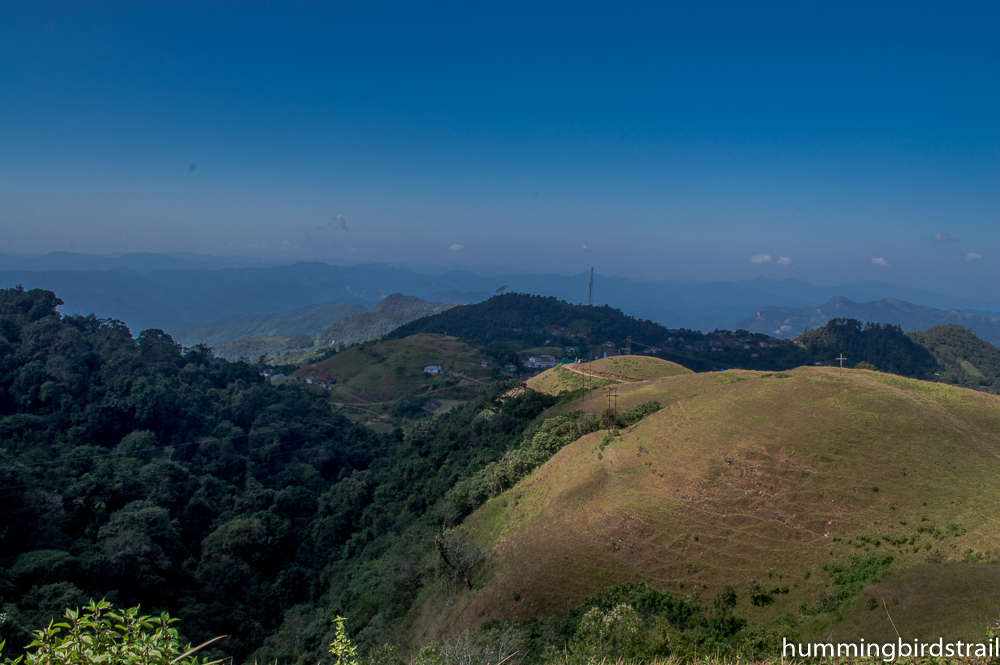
(743, 475)
(634, 368)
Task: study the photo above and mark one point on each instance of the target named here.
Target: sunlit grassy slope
(748, 475)
(566, 378)
(636, 368)
(560, 379)
(388, 370)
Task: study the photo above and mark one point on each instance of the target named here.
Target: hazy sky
(823, 141)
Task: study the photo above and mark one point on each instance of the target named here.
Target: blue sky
(650, 140)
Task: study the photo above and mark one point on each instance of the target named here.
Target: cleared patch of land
(387, 370)
(747, 476)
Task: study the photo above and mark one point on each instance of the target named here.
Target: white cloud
(784, 260)
(942, 237)
(880, 262)
(760, 258)
(972, 256)
(584, 247)
(455, 247)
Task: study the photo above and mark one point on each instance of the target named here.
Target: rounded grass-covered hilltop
(604, 371)
(770, 483)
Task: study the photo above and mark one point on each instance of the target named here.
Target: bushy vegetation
(850, 578)
(536, 449)
(100, 634)
(635, 622)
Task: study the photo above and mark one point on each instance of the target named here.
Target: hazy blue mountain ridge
(189, 295)
(316, 329)
(309, 323)
(787, 322)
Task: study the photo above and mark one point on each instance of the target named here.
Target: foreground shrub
(99, 634)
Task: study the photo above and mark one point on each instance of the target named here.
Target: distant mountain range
(303, 321)
(787, 322)
(168, 291)
(314, 328)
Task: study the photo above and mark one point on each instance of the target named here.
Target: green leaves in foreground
(100, 634)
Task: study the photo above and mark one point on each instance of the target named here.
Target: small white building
(433, 369)
(541, 362)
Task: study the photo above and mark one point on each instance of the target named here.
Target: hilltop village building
(541, 362)
(321, 379)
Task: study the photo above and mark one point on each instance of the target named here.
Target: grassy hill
(563, 379)
(388, 370)
(635, 368)
(748, 477)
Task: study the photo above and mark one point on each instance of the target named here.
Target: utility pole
(612, 410)
(628, 345)
(590, 291)
(841, 359)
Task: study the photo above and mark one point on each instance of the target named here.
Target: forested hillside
(964, 359)
(886, 347)
(523, 318)
(136, 470)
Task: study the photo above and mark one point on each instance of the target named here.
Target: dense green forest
(139, 471)
(520, 317)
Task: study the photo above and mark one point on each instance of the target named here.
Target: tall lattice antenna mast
(590, 292)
